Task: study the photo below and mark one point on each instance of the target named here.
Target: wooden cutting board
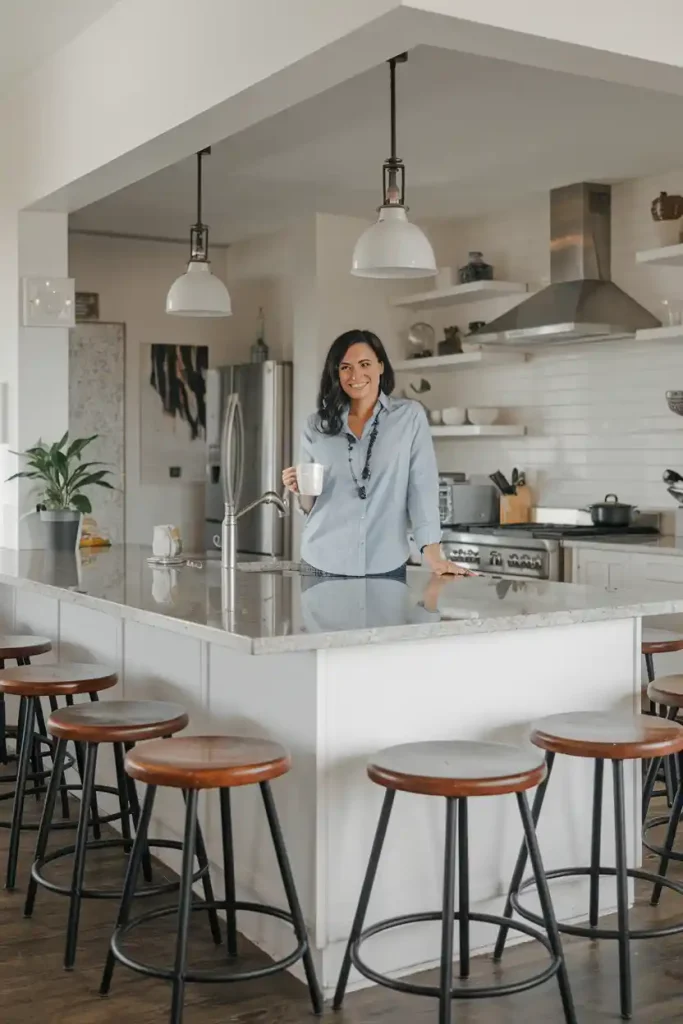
(516, 508)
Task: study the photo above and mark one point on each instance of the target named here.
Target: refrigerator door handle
(232, 454)
(226, 451)
(240, 446)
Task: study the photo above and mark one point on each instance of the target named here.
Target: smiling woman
(380, 477)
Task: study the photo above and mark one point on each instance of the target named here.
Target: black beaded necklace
(352, 440)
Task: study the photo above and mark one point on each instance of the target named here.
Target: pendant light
(198, 292)
(393, 247)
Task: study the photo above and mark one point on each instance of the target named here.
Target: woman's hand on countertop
(289, 479)
(441, 566)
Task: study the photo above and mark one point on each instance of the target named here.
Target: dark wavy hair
(332, 399)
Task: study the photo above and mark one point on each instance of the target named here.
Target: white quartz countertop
(647, 545)
(281, 611)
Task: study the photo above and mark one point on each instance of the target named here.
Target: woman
(380, 470)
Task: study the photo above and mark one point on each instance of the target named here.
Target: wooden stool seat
(56, 680)
(118, 721)
(457, 768)
(616, 736)
(667, 690)
(207, 762)
(23, 646)
(661, 641)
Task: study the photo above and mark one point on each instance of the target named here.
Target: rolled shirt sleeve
(423, 485)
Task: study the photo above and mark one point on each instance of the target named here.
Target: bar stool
(121, 723)
(19, 649)
(31, 682)
(191, 764)
(601, 736)
(667, 692)
(661, 641)
(456, 771)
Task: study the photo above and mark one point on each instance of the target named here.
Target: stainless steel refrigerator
(249, 438)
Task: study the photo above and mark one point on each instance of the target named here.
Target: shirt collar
(383, 402)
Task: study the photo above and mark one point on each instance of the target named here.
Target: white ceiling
(31, 30)
(475, 134)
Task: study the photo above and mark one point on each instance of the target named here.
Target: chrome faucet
(229, 524)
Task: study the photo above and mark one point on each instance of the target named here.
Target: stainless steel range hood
(582, 303)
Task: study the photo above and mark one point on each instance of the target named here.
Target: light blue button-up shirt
(347, 536)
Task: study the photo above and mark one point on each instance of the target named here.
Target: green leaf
(61, 444)
(81, 503)
(76, 447)
(92, 478)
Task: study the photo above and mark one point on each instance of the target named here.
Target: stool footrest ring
(469, 992)
(600, 933)
(33, 826)
(659, 850)
(167, 973)
(110, 894)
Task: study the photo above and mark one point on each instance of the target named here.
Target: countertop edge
(635, 547)
(302, 642)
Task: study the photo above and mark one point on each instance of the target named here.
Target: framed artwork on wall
(173, 413)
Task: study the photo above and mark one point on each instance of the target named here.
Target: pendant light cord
(392, 94)
(200, 155)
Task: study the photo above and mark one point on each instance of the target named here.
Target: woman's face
(360, 371)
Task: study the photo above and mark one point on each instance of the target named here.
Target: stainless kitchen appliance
(465, 503)
(531, 551)
(249, 436)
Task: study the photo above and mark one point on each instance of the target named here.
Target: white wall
(596, 415)
(132, 278)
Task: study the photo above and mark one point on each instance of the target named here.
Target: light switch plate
(49, 301)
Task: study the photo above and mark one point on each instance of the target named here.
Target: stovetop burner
(558, 531)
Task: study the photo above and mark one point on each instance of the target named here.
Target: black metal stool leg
(520, 865)
(650, 781)
(622, 892)
(131, 881)
(184, 908)
(124, 797)
(596, 837)
(96, 825)
(447, 915)
(3, 730)
(134, 802)
(292, 896)
(365, 893)
(546, 907)
(463, 888)
(229, 872)
(203, 861)
(674, 819)
(20, 792)
(46, 820)
(40, 784)
(79, 855)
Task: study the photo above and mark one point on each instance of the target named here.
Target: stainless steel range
(531, 551)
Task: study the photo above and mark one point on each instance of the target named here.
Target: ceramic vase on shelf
(666, 212)
(475, 269)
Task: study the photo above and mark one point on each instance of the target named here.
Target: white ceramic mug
(166, 541)
(309, 478)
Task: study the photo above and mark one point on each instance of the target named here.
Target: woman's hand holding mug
(289, 479)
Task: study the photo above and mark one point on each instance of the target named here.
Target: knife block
(516, 508)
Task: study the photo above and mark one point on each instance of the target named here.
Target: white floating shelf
(661, 334)
(469, 431)
(667, 256)
(462, 360)
(475, 291)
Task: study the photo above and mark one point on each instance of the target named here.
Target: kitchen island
(336, 669)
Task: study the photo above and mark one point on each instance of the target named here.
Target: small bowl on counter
(454, 416)
(482, 417)
(435, 417)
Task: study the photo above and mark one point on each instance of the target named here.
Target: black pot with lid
(611, 512)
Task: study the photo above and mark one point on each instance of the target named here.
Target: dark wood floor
(34, 987)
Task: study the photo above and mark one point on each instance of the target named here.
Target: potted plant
(62, 477)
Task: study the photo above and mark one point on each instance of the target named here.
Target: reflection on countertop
(277, 609)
